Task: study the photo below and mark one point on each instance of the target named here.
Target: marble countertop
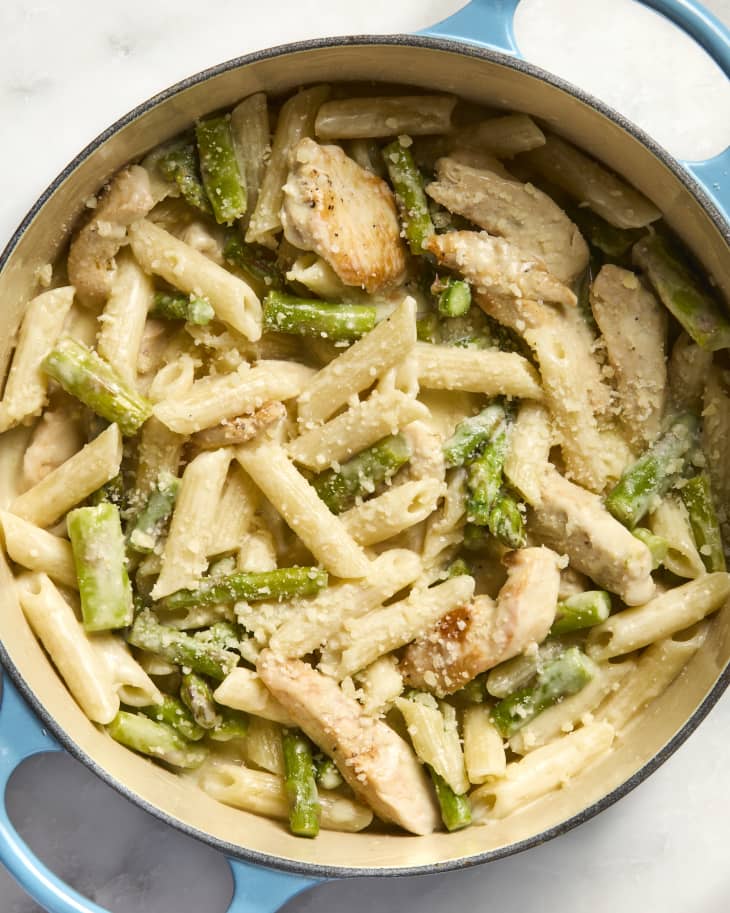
(70, 68)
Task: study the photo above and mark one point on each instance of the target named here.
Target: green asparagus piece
(563, 676)
(410, 195)
(519, 671)
(657, 545)
(255, 259)
(299, 781)
(158, 740)
(455, 298)
(476, 538)
(471, 331)
(224, 184)
(197, 695)
(471, 435)
(111, 493)
(485, 476)
(180, 165)
(458, 568)
(326, 773)
(697, 496)
(583, 292)
(614, 242)
(507, 521)
(174, 713)
(176, 306)
(473, 692)
(654, 472)
(581, 611)
(98, 549)
(367, 154)
(339, 488)
(233, 725)
(148, 525)
(427, 329)
(310, 317)
(85, 375)
(455, 810)
(223, 634)
(683, 293)
(182, 649)
(283, 583)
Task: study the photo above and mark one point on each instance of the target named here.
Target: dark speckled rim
(275, 862)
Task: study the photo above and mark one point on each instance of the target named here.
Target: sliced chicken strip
(498, 268)
(56, 438)
(375, 761)
(517, 212)
(91, 264)
(479, 636)
(634, 327)
(345, 214)
(575, 522)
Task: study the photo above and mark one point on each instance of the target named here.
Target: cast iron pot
(473, 55)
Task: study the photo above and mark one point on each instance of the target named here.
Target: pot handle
(490, 23)
(256, 890)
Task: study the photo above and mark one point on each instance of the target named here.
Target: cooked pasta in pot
(392, 483)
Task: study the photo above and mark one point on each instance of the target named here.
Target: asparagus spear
(255, 259)
(223, 634)
(427, 328)
(339, 488)
(182, 649)
(654, 472)
(155, 739)
(97, 542)
(581, 611)
(410, 195)
(458, 568)
(519, 671)
(197, 695)
(471, 435)
(299, 781)
(506, 521)
(174, 713)
(111, 493)
(224, 184)
(454, 298)
(563, 676)
(657, 545)
(283, 583)
(697, 496)
(614, 242)
(455, 809)
(683, 294)
(176, 306)
(485, 476)
(326, 773)
(180, 164)
(148, 524)
(85, 375)
(476, 538)
(233, 725)
(473, 692)
(310, 317)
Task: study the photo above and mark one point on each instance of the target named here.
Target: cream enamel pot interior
(256, 846)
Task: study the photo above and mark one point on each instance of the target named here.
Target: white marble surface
(67, 70)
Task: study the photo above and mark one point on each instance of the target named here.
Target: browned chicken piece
(497, 268)
(91, 255)
(575, 522)
(520, 213)
(375, 761)
(56, 438)
(240, 429)
(479, 636)
(634, 327)
(345, 214)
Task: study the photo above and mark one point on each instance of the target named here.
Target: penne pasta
(484, 753)
(243, 690)
(123, 319)
(37, 550)
(235, 511)
(27, 383)
(250, 133)
(361, 118)
(159, 252)
(304, 512)
(670, 521)
(666, 614)
(75, 479)
(397, 509)
(476, 371)
(54, 623)
(357, 368)
(529, 450)
(130, 681)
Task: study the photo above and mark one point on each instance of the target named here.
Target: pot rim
(276, 862)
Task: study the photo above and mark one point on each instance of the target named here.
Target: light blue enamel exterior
(256, 889)
(490, 23)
